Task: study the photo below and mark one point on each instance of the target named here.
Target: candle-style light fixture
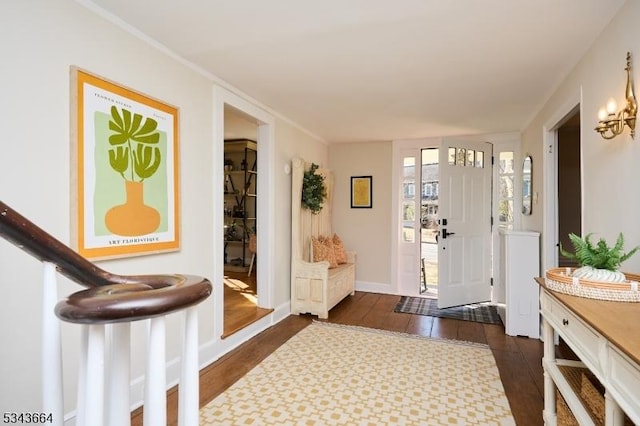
(610, 123)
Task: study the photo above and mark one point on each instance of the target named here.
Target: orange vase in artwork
(133, 218)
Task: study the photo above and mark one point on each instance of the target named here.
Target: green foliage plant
(313, 190)
(600, 255)
(133, 145)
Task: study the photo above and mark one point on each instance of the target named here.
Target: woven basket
(590, 392)
(561, 280)
(564, 415)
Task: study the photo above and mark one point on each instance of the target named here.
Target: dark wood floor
(518, 358)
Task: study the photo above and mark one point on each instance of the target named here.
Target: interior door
(464, 241)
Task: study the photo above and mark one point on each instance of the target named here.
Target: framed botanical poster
(124, 169)
(361, 192)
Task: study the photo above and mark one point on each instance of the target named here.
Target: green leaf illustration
(128, 128)
(142, 161)
(119, 159)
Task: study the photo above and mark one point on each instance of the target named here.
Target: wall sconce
(610, 123)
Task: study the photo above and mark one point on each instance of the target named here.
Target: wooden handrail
(110, 298)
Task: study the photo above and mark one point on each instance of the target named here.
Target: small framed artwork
(125, 187)
(361, 192)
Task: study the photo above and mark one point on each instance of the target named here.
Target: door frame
(503, 141)
(549, 255)
(265, 218)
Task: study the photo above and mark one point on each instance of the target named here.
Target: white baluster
(94, 388)
(52, 392)
(189, 389)
(82, 377)
(155, 392)
(119, 377)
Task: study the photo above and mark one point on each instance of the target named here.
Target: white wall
(610, 168)
(39, 41)
(366, 231)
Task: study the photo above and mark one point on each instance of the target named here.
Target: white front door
(464, 241)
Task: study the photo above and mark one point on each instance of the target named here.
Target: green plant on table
(598, 261)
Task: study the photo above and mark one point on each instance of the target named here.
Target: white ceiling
(366, 70)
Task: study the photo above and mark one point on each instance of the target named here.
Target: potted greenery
(598, 262)
(313, 190)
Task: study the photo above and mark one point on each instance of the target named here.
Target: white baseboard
(215, 348)
(371, 287)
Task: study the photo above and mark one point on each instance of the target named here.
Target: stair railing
(105, 309)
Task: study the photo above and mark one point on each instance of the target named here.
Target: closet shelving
(240, 209)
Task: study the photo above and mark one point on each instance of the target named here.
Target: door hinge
(491, 281)
(492, 159)
(492, 221)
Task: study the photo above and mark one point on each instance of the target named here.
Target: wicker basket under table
(590, 392)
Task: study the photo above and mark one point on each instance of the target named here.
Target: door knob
(445, 234)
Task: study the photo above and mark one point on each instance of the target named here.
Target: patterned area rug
(478, 312)
(330, 374)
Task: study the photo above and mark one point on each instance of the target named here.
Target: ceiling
(369, 70)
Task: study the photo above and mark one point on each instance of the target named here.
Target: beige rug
(330, 374)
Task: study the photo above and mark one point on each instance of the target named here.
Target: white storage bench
(315, 286)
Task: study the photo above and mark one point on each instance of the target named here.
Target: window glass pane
(409, 177)
(506, 189)
(506, 186)
(408, 234)
(471, 158)
(505, 211)
(506, 162)
(461, 156)
(408, 211)
(480, 159)
(409, 167)
(409, 190)
(452, 156)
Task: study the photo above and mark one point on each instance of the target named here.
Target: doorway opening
(560, 196)
(426, 263)
(429, 184)
(240, 230)
(569, 184)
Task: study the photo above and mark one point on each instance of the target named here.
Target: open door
(464, 239)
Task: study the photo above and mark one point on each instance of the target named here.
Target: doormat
(478, 312)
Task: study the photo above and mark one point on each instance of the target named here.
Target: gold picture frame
(361, 192)
(124, 170)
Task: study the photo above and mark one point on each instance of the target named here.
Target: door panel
(464, 245)
(456, 197)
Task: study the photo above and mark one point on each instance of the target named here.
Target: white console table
(606, 337)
